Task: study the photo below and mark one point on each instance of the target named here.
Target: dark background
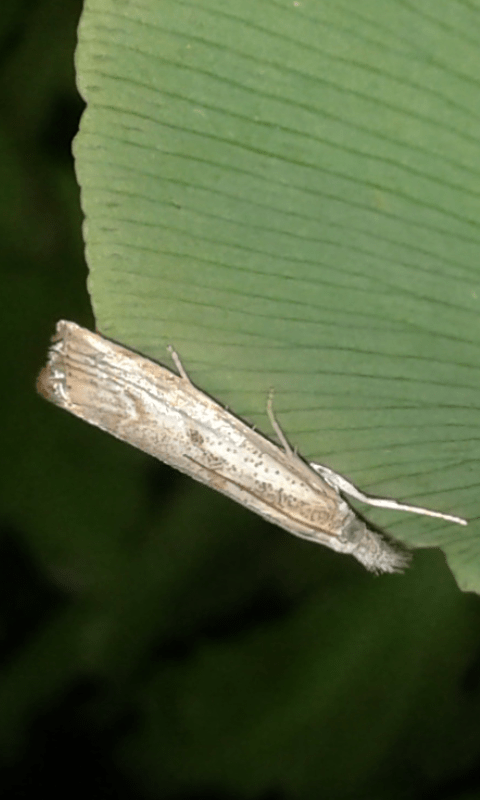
(156, 640)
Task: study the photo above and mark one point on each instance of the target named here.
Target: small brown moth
(165, 415)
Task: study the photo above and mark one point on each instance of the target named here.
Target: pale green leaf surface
(289, 193)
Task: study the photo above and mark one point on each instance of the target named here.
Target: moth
(164, 414)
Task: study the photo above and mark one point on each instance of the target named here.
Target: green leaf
(288, 193)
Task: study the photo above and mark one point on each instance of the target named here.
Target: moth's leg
(178, 364)
(342, 485)
(276, 427)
